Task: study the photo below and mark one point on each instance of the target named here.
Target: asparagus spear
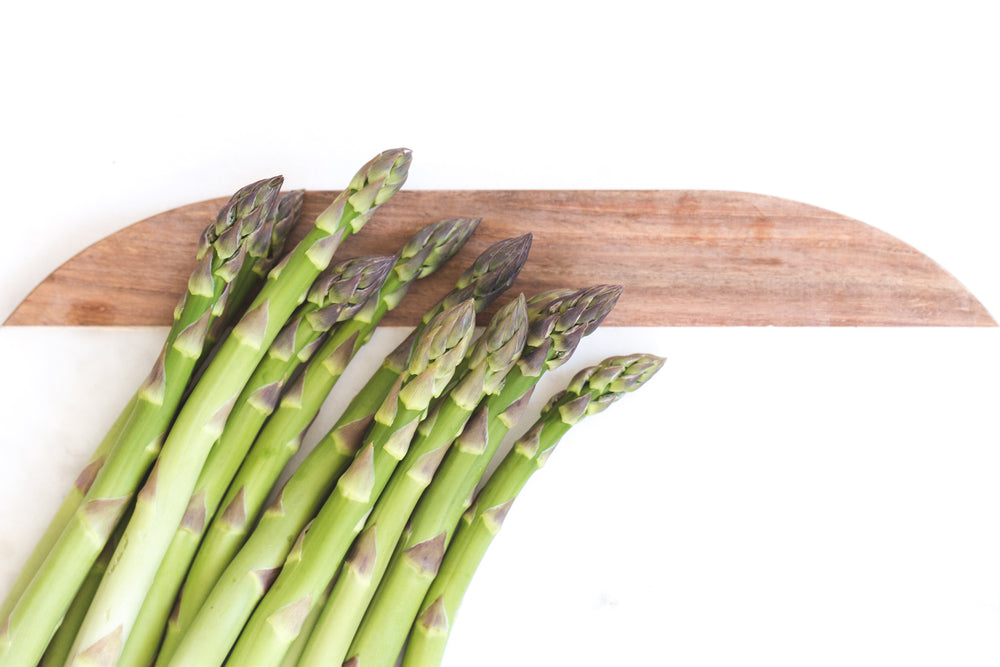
(161, 504)
(559, 319)
(92, 509)
(423, 254)
(336, 296)
(494, 355)
(591, 391)
(436, 353)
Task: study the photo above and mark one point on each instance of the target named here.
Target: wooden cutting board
(686, 258)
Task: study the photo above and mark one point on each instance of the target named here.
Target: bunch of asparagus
(167, 550)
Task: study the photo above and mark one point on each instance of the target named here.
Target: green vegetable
(591, 391)
(437, 351)
(423, 254)
(494, 355)
(336, 296)
(558, 321)
(89, 514)
(160, 506)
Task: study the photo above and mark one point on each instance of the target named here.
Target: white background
(788, 496)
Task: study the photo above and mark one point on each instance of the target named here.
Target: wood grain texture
(686, 258)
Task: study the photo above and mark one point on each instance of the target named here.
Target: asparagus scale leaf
(161, 504)
(589, 392)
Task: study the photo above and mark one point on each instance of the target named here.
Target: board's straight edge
(686, 258)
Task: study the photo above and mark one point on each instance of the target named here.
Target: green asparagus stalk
(493, 356)
(437, 351)
(337, 295)
(423, 254)
(558, 320)
(90, 512)
(161, 504)
(591, 391)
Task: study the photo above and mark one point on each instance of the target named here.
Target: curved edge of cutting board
(685, 257)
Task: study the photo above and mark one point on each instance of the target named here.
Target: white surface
(826, 497)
